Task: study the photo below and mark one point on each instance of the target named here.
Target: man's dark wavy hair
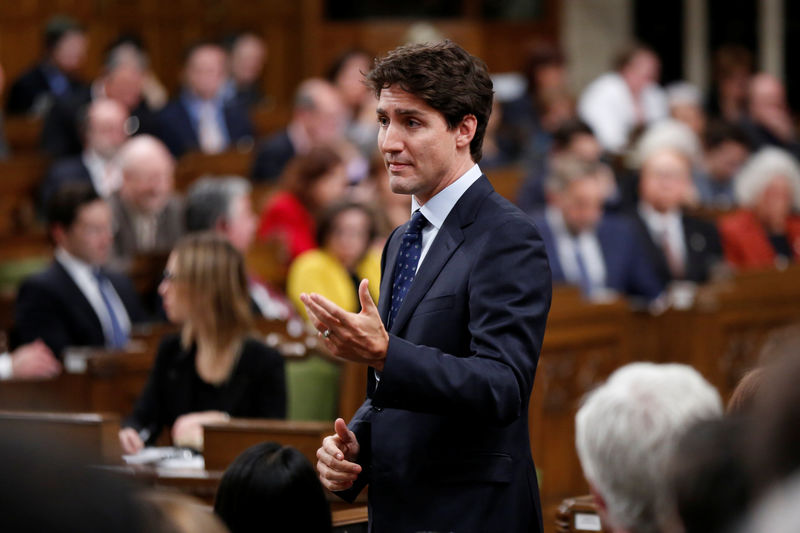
(444, 76)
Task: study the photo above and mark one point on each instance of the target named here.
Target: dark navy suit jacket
(272, 157)
(444, 438)
(178, 132)
(51, 307)
(628, 266)
(69, 170)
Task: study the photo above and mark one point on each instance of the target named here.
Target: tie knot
(418, 221)
(98, 275)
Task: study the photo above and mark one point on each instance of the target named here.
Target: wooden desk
(225, 441)
(95, 434)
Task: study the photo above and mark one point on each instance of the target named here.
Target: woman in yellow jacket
(345, 233)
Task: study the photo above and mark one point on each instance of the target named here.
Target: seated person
(625, 464)
(345, 257)
(75, 301)
(122, 80)
(597, 252)
(765, 230)
(310, 184)
(103, 134)
(213, 369)
(223, 205)
(681, 247)
(769, 121)
(319, 118)
(200, 119)
(56, 76)
(272, 487)
(148, 216)
(30, 361)
(725, 149)
(247, 54)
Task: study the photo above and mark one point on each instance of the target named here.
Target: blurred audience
(768, 121)
(572, 138)
(732, 68)
(680, 246)
(391, 209)
(347, 76)
(223, 205)
(319, 119)
(56, 75)
(148, 216)
(121, 80)
(626, 432)
(129, 48)
(708, 474)
(685, 104)
(765, 231)
(725, 149)
(618, 102)
(213, 369)
(310, 184)
(274, 487)
(247, 55)
(29, 361)
(75, 301)
(201, 119)
(4, 150)
(345, 256)
(103, 127)
(601, 254)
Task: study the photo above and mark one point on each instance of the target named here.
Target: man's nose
(391, 140)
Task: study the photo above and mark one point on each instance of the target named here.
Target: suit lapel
(390, 258)
(448, 239)
(78, 300)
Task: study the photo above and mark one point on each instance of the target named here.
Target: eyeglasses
(169, 275)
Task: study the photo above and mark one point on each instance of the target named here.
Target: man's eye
(413, 123)
(383, 121)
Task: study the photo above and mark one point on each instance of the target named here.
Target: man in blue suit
(452, 346)
(200, 119)
(599, 253)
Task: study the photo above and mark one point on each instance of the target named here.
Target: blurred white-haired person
(766, 230)
(625, 434)
(686, 104)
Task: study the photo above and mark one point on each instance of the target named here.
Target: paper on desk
(165, 457)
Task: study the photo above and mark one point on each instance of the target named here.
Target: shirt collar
(656, 220)
(73, 264)
(437, 208)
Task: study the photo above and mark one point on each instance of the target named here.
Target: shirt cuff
(6, 368)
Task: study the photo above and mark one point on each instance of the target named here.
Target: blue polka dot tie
(406, 265)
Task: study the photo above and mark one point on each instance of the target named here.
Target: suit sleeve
(509, 291)
(37, 317)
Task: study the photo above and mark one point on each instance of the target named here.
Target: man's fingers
(320, 318)
(342, 431)
(334, 311)
(332, 474)
(367, 304)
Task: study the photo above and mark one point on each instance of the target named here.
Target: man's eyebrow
(381, 111)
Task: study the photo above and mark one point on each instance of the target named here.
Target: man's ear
(58, 233)
(465, 131)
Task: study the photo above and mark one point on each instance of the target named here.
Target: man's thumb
(367, 304)
(341, 430)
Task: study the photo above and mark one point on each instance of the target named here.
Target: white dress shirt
(607, 105)
(105, 175)
(665, 227)
(566, 246)
(81, 273)
(6, 370)
(437, 208)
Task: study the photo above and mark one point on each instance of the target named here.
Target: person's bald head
(318, 106)
(766, 94)
(147, 174)
(205, 70)
(105, 126)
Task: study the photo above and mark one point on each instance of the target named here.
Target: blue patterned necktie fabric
(406, 266)
(118, 338)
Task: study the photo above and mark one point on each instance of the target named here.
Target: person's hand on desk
(34, 360)
(130, 440)
(335, 465)
(358, 337)
(188, 429)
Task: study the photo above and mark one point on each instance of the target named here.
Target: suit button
(379, 409)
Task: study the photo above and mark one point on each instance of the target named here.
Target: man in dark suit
(104, 133)
(75, 302)
(319, 118)
(56, 76)
(122, 80)
(680, 247)
(201, 119)
(442, 437)
(598, 253)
